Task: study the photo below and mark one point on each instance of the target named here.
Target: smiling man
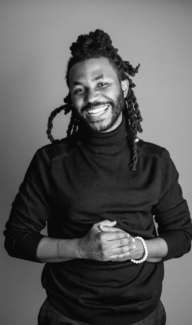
(98, 191)
(96, 93)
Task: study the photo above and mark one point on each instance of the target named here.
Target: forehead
(92, 69)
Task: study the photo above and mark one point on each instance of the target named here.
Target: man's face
(96, 93)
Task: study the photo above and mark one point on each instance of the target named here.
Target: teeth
(99, 110)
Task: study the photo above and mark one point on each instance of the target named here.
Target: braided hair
(94, 45)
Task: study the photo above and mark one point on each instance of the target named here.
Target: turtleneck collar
(110, 142)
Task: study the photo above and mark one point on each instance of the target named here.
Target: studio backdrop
(34, 45)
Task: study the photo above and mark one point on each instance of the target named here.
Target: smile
(98, 111)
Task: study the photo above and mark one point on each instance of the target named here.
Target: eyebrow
(100, 76)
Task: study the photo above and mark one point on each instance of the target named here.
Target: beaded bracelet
(146, 253)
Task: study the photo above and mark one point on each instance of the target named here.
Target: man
(99, 190)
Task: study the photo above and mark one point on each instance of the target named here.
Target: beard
(109, 118)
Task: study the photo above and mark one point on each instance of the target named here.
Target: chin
(104, 126)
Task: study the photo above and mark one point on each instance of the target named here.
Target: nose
(91, 95)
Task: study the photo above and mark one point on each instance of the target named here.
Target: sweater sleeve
(172, 212)
(30, 210)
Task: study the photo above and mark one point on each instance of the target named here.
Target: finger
(121, 257)
(119, 243)
(117, 251)
(119, 247)
(99, 225)
(116, 230)
(106, 223)
(132, 243)
(109, 227)
(112, 229)
(115, 236)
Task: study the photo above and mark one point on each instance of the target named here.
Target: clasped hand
(105, 242)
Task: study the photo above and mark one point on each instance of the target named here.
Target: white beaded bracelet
(146, 253)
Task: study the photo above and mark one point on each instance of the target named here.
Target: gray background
(35, 40)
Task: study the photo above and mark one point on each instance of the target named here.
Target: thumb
(106, 224)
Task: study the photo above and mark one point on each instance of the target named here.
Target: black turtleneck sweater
(76, 182)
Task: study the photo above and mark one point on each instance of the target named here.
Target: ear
(125, 87)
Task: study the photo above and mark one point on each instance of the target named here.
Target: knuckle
(101, 237)
(126, 241)
(130, 242)
(102, 247)
(120, 241)
(124, 249)
(123, 241)
(121, 235)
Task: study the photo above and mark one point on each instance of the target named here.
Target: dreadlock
(93, 45)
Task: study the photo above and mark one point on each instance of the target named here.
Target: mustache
(95, 104)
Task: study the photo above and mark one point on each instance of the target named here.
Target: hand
(105, 242)
(135, 246)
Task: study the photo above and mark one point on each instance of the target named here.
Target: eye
(102, 84)
(77, 91)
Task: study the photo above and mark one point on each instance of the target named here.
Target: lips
(98, 110)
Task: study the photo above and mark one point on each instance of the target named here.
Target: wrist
(79, 248)
(68, 248)
(139, 249)
(157, 248)
(143, 251)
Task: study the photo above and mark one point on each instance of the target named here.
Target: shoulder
(157, 156)
(56, 149)
(158, 160)
(150, 149)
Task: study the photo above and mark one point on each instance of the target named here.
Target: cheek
(113, 92)
(77, 103)
(113, 97)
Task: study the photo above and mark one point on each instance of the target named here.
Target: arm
(29, 214)
(95, 247)
(61, 250)
(57, 250)
(133, 248)
(172, 213)
(96, 244)
(172, 216)
(157, 249)
(29, 211)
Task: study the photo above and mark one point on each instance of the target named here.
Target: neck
(110, 143)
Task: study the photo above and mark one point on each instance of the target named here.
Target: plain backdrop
(34, 49)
